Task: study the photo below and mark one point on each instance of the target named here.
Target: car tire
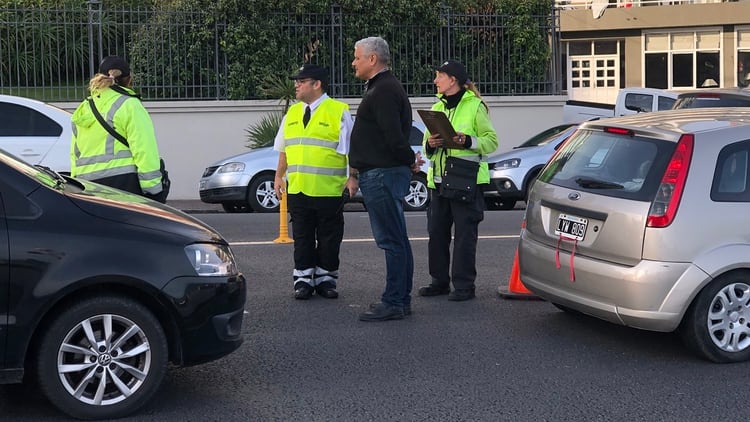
(716, 325)
(236, 207)
(261, 196)
(133, 357)
(419, 195)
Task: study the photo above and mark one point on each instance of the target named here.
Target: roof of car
(669, 122)
(721, 91)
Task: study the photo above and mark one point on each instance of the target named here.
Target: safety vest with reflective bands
(95, 154)
(314, 167)
(471, 118)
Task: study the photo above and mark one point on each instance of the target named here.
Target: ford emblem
(574, 196)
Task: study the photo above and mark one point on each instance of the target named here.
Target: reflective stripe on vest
(109, 143)
(314, 167)
(109, 153)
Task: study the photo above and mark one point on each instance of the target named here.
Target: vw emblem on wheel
(574, 196)
(105, 359)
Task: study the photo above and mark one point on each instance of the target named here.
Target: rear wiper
(589, 183)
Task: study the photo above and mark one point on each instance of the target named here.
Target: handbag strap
(103, 122)
(106, 125)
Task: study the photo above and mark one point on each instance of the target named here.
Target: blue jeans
(383, 190)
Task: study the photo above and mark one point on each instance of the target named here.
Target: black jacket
(380, 137)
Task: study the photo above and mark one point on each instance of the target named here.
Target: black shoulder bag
(459, 180)
(165, 182)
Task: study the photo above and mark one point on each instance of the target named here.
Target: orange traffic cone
(515, 289)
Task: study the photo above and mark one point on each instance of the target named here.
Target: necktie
(306, 117)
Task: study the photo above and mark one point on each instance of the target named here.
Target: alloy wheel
(728, 318)
(104, 359)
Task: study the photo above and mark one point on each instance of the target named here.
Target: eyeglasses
(301, 81)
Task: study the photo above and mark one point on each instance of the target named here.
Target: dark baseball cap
(312, 71)
(114, 62)
(455, 69)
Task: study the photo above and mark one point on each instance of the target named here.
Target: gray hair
(377, 46)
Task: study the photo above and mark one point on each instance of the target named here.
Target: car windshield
(610, 164)
(544, 137)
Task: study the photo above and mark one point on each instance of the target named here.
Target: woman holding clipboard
(457, 171)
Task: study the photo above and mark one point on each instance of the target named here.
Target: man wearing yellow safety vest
(96, 154)
(313, 143)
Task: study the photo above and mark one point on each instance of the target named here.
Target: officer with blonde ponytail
(475, 139)
(97, 154)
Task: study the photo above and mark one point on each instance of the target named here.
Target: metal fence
(50, 54)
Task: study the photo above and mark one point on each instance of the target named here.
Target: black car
(716, 97)
(101, 289)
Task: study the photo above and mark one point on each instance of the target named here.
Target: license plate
(571, 227)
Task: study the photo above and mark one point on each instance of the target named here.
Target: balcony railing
(588, 4)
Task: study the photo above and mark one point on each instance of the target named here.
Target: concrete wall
(194, 134)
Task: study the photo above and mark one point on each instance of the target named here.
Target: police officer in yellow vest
(95, 153)
(313, 143)
(476, 138)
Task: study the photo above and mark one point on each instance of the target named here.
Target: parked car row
(637, 220)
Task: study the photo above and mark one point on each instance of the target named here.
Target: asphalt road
(489, 359)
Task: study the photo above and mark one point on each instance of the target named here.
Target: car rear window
(712, 100)
(617, 165)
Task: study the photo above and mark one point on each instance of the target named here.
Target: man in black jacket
(381, 158)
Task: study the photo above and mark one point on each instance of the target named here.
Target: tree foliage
(199, 49)
(259, 41)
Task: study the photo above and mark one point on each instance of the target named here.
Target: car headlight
(507, 164)
(211, 260)
(232, 168)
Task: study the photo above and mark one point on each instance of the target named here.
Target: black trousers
(448, 218)
(317, 230)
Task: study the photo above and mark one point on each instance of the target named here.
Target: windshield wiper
(59, 180)
(589, 183)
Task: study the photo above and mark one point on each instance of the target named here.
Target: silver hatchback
(244, 182)
(642, 221)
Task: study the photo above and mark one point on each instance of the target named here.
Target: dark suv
(100, 289)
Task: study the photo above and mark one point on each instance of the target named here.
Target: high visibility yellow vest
(95, 154)
(462, 118)
(314, 167)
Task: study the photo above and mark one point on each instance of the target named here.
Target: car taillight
(664, 207)
(618, 131)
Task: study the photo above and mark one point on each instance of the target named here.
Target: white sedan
(35, 132)
(244, 182)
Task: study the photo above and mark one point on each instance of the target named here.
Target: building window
(743, 57)
(684, 59)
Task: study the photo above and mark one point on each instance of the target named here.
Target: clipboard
(437, 122)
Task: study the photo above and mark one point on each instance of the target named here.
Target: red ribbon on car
(572, 255)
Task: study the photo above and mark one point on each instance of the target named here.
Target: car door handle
(29, 153)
